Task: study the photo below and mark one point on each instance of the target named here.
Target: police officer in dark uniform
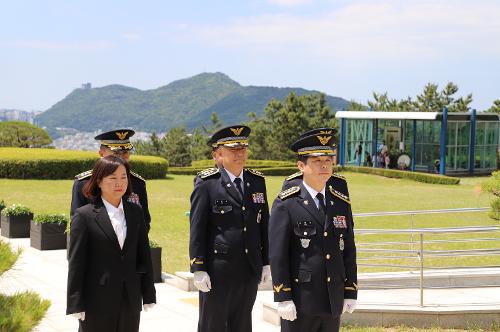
(336, 180)
(115, 142)
(312, 252)
(228, 245)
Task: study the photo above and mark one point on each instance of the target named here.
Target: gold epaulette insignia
(137, 176)
(293, 176)
(352, 287)
(339, 195)
(255, 172)
(338, 176)
(83, 175)
(207, 172)
(288, 192)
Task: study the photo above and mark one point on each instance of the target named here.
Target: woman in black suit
(110, 273)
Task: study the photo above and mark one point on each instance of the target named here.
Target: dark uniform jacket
(139, 194)
(99, 270)
(226, 232)
(313, 257)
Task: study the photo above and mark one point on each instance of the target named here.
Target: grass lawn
(169, 201)
(22, 311)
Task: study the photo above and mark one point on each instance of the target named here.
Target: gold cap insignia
(237, 131)
(324, 139)
(327, 132)
(122, 135)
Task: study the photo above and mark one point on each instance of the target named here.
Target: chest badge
(134, 199)
(258, 198)
(341, 244)
(339, 222)
(305, 243)
(259, 216)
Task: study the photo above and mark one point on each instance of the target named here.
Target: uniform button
(244, 229)
(243, 208)
(215, 251)
(246, 251)
(296, 280)
(221, 211)
(328, 279)
(325, 234)
(327, 256)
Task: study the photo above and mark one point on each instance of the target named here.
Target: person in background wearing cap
(312, 252)
(115, 142)
(337, 181)
(228, 244)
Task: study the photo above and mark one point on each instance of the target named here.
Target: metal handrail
(420, 252)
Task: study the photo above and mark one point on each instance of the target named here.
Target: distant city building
(72, 139)
(18, 115)
(87, 86)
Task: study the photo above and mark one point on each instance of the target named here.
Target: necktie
(237, 183)
(321, 200)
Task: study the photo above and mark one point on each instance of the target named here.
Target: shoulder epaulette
(288, 192)
(208, 172)
(338, 194)
(137, 176)
(338, 176)
(293, 176)
(83, 175)
(255, 172)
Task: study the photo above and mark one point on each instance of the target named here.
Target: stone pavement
(46, 271)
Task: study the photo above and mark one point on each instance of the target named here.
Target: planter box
(47, 236)
(16, 226)
(156, 260)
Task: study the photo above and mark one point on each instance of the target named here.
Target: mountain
(188, 102)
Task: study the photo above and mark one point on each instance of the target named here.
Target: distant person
(357, 153)
(383, 149)
(387, 160)
(110, 274)
(115, 142)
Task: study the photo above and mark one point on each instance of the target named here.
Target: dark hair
(104, 167)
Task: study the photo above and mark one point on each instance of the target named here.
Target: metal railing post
(421, 269)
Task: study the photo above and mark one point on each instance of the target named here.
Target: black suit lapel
(229, 186)
(104, 223)
(307, 202)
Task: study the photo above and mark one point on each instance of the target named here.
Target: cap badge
(324, 139)
(122, 135)
(327, 132)
(237, 131)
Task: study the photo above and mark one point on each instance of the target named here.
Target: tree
(23, 135)
(177, 146)
(492, 186)
(495, 108)
(356, 107)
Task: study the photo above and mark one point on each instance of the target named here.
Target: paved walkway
(46, 271)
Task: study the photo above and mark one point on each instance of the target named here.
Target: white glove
(349, 305)
(202, 281)
(148, 306)
(79, 315)
(266, 274)
(287, 310)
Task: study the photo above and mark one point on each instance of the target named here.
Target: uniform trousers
(125, 320)
(311, 323)
(227, 307)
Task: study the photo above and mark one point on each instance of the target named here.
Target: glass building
(434, 142)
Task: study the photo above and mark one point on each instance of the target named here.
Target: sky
(348, 49)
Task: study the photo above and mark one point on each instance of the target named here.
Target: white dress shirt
(117, 217)
(313, 193)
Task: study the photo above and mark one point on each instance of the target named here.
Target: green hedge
(18, 163)
(251, 163)
(393, 173)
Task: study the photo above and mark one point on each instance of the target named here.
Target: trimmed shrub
(60, 219)
(392, 173)
(18, 163)
(16, 210)
(21, 312)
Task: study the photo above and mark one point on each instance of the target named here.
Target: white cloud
(131, 36)
(50, 45)
(390, 29)
(289, 2)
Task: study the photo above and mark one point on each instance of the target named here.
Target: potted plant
(48, 231)
(16, 221)
(156, 260)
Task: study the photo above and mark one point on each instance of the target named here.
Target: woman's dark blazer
(99, 270)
